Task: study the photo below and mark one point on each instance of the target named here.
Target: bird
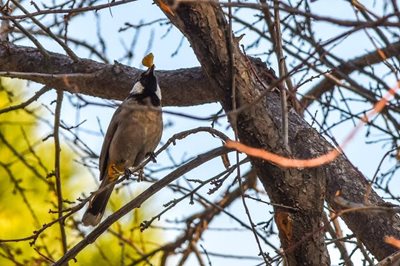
(133, 134)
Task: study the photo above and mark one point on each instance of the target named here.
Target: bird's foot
(140, 175)
(127, 173)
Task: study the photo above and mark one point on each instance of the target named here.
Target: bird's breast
(147, 121)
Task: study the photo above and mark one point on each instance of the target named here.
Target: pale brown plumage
(133, 133)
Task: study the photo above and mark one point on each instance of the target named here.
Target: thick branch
(102, 80)
(259, 125)
(206, 29)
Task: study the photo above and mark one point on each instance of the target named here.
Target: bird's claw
(140, 175)
(127, 172)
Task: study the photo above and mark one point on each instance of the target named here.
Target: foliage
(28, 194)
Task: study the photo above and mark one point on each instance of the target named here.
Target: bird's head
(147, 86)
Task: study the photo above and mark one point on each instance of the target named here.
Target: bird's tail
(97, 205)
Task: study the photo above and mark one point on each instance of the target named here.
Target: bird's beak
(150, 70)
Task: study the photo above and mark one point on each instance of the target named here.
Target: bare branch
(347, 68)
(138, 201)
(102, 80)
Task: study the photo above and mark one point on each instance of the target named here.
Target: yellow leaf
(148, 60)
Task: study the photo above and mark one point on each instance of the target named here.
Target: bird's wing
(112, 128)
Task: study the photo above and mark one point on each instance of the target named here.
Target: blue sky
(366, 157)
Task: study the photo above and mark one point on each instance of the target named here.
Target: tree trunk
(207, 30)
(260, 126)
(303, 190)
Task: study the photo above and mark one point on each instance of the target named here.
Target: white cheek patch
(137, 88)
(158, 92)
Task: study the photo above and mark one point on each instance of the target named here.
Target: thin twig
(282, 73)
(41, 49)
(48, 31)
(369, 188)
(337, 240)
(231, 47)
(57, 170)
(69, 11)
(138, 201)
(27, 102)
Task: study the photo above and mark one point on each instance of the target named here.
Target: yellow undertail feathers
(114, 171)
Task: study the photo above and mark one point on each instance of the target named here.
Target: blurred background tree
(29, 197)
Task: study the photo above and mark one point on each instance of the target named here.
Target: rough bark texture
(103, 80)
(205, 27)
(369, 226)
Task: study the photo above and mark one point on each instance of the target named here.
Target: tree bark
(206, 28)
(102, 80)
(259, 125)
